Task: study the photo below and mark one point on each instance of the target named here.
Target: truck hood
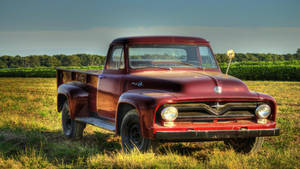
(194, 83)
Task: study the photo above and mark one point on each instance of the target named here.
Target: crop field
(279, 70)
(31, 135)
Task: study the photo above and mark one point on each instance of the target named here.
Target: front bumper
(213, 134)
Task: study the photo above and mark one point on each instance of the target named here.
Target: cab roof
(161, 40)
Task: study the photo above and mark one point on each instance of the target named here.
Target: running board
(97, 122)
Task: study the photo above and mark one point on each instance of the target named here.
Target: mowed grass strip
(31, 135)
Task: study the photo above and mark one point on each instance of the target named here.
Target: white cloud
(96, 40)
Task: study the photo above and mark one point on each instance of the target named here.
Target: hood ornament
(218, 89)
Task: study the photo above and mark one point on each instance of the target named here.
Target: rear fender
(76, 95)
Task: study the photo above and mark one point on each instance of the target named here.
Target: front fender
(77, 97)
(271, 101)
(145, 101)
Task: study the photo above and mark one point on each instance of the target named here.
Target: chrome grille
(209, 111)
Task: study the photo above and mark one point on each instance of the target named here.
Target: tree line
(242, 57)
(91, 60)
(51, 61)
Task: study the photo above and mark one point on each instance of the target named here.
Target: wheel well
(61, 98)
(123, 108)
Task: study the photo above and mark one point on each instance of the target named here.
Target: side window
(207, 58)
(116, 61)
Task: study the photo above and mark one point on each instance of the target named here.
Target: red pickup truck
(164, 89)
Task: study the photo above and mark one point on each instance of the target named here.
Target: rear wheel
(72, 129)
(131, 135)
(245, 145)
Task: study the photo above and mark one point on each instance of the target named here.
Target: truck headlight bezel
(169, 114)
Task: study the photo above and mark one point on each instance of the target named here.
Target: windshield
(170, 56)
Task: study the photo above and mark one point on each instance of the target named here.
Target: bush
(284, 71)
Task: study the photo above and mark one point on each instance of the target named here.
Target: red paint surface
(161, 40)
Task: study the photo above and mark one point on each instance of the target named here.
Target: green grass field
(31, 135)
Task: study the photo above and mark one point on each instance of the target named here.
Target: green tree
(222, 58)
(298, 54)
(3, 64)
(71, 60)
(34, 61)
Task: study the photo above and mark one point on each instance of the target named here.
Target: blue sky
(70, 26)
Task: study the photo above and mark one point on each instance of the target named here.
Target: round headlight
(169, 113)
(263, 111)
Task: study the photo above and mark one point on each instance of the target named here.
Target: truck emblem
(218, 89)
(138, 84)
(217, 106)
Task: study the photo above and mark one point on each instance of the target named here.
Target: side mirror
(230, 54)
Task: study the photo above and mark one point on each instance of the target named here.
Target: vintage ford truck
(164, 89)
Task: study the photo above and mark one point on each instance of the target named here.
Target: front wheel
(72, 129)
(245, 145)
(131, 135)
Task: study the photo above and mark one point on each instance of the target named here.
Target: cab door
(109, 86)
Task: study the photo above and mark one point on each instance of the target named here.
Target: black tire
(131, 135)
(72, 129)
(245, 145)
